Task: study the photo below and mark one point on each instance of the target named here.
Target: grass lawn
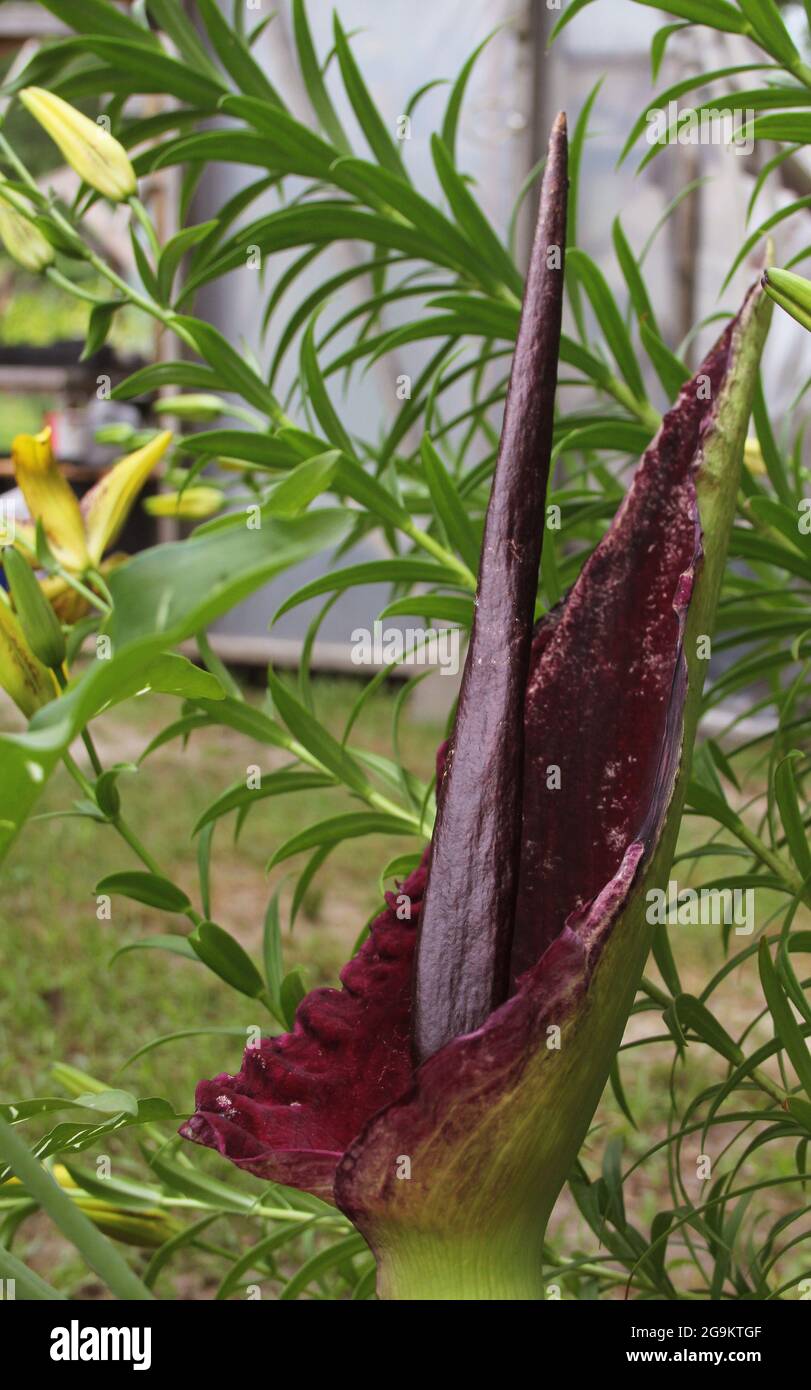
(63, 1000)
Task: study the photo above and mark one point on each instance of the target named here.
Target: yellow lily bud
(22, 675)
(753, 456)
(50, 498)
(193, 504)
(24, 241)
(92, 151)
(231, 465)
(150, 1227)
(109, 502)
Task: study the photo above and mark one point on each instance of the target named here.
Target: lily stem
(128, 834)
(773, 861)
(117, 822)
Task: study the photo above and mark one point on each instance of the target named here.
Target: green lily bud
(193, 504)
(791, 292)
(119, 434)
(92, 151)
(199, 406)
(37, 618)
(22, 238)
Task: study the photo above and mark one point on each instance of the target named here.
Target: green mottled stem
(428, 1268)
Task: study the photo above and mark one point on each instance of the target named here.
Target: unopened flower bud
(37, 618)
(92, 151)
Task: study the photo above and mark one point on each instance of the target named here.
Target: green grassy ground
(64, 1000)
(61, 998)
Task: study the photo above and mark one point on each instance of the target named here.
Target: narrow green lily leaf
(634, 279)
(26, 1283)
(335, 829)
(318, 397)
(240, 797)
(235, 55)
(693, 1014)
(321, 1263)
(179, 1035)
(450, 121)
(147, 888)
(223, 954)
(670, 370)
(608, 316)
(718, 14)
(471, 219)
(176, 24)
(303, 484)
(443, 606)
(764, 17)
(175, 945)
(314, 81)
(292, 990)
(787, 1030)
(568, 15)
(369, 118)
(173, 252)
(408, 570)
(786, 792)
(272, 955)
(449, 507)
(98, 1252)
(316, 739)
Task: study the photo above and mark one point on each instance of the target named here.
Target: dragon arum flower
(92, 151)
(440, 1098)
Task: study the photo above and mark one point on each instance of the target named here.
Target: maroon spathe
(301, 1098)
(603, 704)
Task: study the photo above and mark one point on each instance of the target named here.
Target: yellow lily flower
(92, 151)
(80, 534)
(109, 502)
(50, 498)
(22, 675)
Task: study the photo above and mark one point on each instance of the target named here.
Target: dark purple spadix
(463, 949)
